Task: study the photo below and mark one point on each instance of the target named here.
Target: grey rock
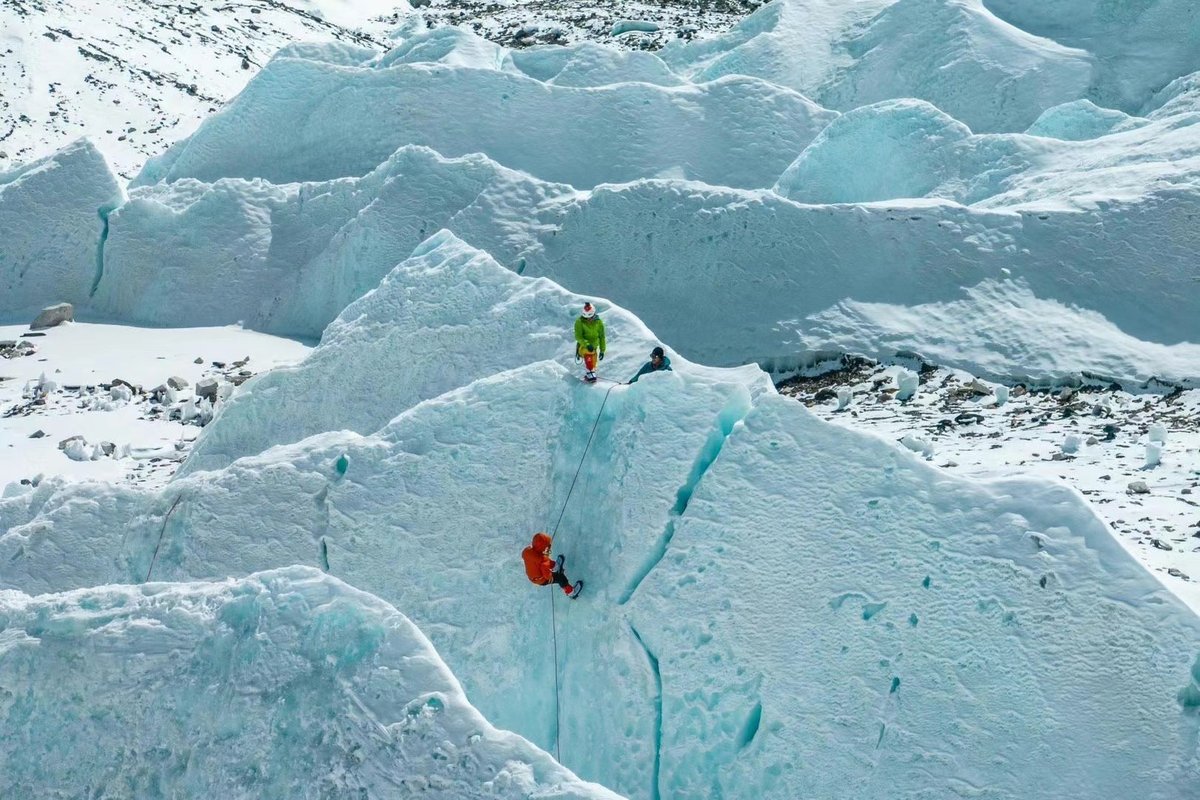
(176, 382)
(38, 434)
(53, 315)
(108, 448)
(63, 444)
(1138, 487)
(207, 388)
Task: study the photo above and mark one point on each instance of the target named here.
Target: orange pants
(589, 360)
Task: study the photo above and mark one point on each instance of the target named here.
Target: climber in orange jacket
(544, 570)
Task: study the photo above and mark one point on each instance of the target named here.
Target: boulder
(53, 315)
(207, 388)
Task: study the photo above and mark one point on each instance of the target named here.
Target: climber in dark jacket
(658, 362)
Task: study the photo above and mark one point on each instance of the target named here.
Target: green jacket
(589, 332)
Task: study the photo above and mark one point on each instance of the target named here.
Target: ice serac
(900, 149)
(283, 684)
(52, 214)
(1003, 331)
(1080, 120)
(863, 626)
(951, 53)
(775, 266)
(431, 513)
(773, 621)
(590, 64)
(907, 149)
(441, 319)
(287, 259)
(1138, 46)
(291, 123)
(1104, 225)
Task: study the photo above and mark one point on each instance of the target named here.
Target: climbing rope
(161, 531)
(553, 604)
(582, 458)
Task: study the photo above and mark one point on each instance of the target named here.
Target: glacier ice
(951, 53)
(1081, 119)
(737, 131)
(287, 259)
(732, 566)
(908, 148)
(440, 320)
(998, 324)
(282, 684)
(1138, 46)
(590, 64)
(842, 643)
(52, 218)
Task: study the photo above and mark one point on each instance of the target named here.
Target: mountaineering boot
(589, 376)
(576, 589)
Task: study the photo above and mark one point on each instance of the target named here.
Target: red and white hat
(589, 311)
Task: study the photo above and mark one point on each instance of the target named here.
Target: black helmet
(658, 351)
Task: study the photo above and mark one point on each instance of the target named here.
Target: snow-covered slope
(135, 75)
(283, 684)
(732, 567)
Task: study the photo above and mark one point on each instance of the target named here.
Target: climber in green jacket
(589, 341)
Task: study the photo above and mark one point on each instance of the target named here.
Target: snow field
(79, 357)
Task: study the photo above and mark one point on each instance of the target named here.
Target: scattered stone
(108, 448)
(176, 382)
(1138, 487)
(1176, 572)
(52, 316)
(1092, 440)
(1159, 544)
(207, 388)
(63, 444)
(120, 391)
(1186, 490)
(1110, 432)
(38, 434)
(31, 335)
(198, 361)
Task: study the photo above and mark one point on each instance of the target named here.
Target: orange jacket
(538, 566)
